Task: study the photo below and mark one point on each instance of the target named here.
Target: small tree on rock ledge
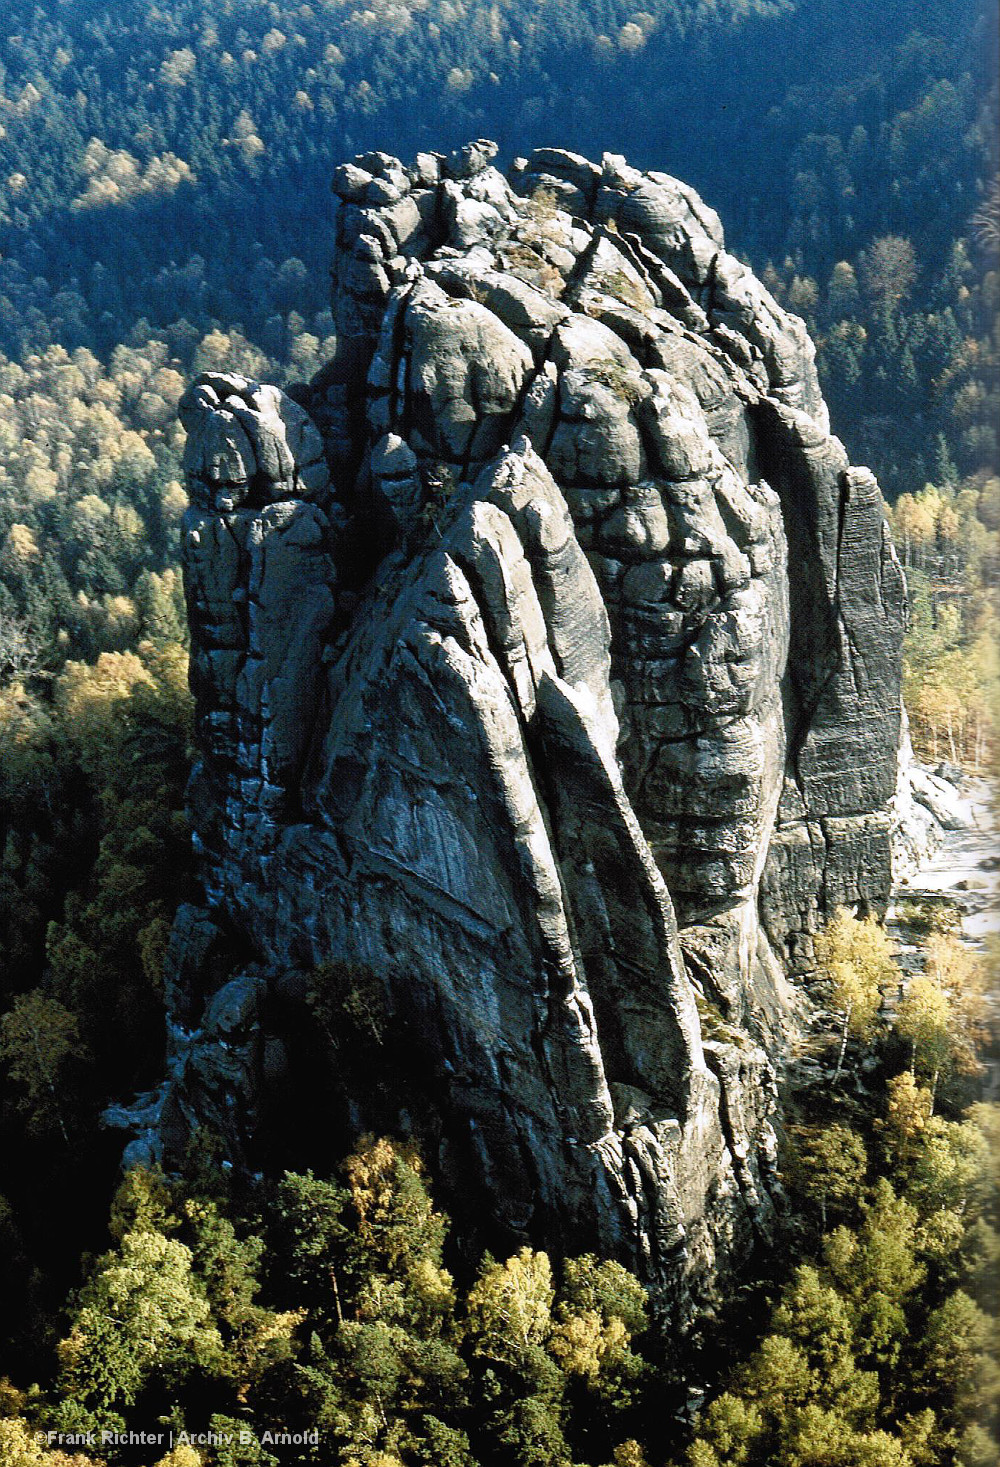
(855, 957)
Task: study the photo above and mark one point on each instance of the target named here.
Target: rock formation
(546, 655)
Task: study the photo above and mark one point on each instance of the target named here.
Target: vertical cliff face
(546, 654)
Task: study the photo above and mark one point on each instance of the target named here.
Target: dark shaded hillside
(156, 164)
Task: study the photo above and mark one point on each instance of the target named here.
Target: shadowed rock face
(546, 655)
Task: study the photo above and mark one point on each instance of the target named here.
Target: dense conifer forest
(165, 209)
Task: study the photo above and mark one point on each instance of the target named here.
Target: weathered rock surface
(546, 651)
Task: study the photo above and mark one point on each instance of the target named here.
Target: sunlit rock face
(546, 652)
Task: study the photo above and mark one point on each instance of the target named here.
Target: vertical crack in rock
(546, 655)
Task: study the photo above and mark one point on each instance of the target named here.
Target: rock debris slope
(546, 651)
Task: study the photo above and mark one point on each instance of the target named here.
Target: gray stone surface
(561, 694)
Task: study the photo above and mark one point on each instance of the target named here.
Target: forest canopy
(155, 160)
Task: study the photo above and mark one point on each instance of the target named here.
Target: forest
(164, 210)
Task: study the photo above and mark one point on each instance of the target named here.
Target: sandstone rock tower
(546, 651)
